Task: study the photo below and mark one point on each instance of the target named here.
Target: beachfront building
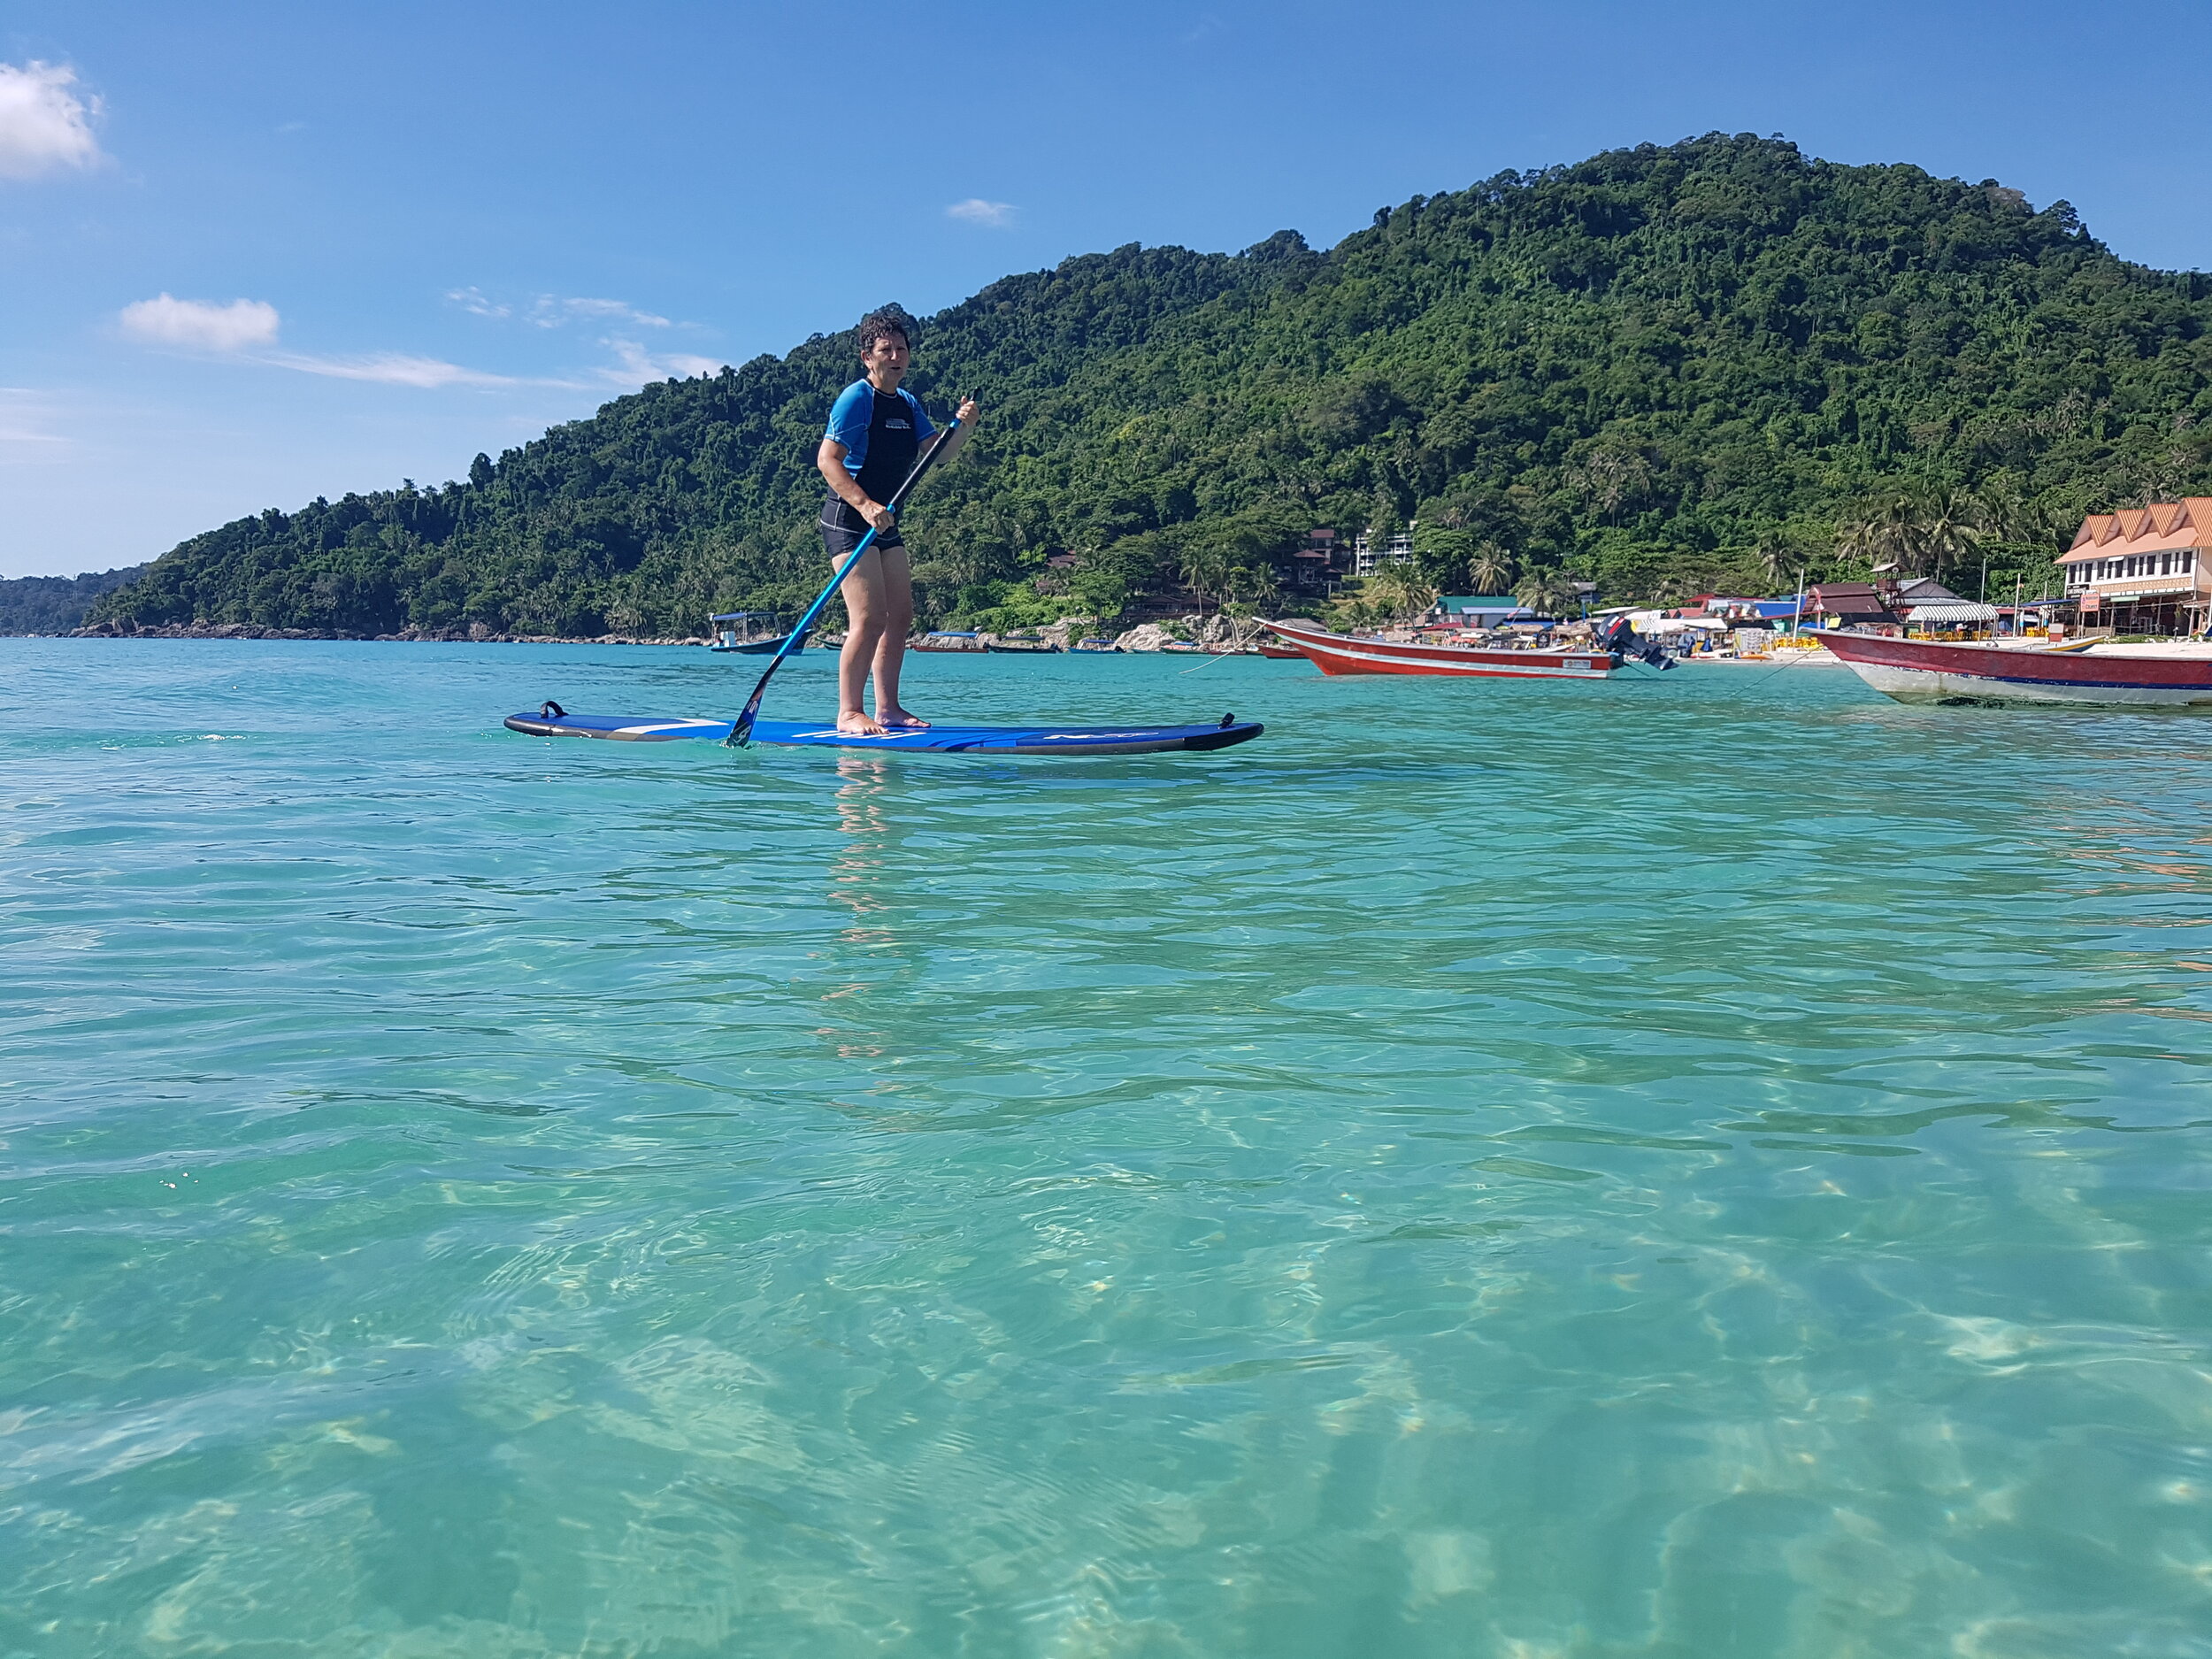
(1930, 609)
(2142, 570)
(1909, 592)
(1478, 611)
(1739, 610)
(1845, 604)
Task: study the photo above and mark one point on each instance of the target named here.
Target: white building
(1366, 556)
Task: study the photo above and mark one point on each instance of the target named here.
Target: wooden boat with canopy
(1356, 654)
(2174, 673)
(753, 632)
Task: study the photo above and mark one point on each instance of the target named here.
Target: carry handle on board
(742, 729)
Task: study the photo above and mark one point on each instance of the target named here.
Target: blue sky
(251, 253)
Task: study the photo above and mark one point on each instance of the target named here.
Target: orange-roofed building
(2143, 570)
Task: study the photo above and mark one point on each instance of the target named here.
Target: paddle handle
(742, 729)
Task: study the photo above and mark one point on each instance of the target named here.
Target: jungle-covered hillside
(55, 604)
(1664, 368)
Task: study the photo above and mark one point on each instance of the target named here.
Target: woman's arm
(829, 460)
(969, 412)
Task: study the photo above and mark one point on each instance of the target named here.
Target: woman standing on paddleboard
(876, 430)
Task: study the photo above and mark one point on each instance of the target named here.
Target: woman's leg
(898, 622)
(867, 607)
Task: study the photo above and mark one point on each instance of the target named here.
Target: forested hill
(55, 604)
(1711, 361)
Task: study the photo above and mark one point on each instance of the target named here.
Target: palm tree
(2026, 529)
(1490, 568)
(1205, 569)
(1548, 591)
(1349, 615)
(1925, 530)
(1774, 554)
(1254, 584)
(1878, 531)
(1946, 527)
(1857, 537)
(1611, 477)
(1398, 590)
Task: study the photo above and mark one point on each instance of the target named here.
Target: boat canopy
(1952, 611)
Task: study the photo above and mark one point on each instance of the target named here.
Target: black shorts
(842, 528)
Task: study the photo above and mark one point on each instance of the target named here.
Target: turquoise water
(1702, 1166)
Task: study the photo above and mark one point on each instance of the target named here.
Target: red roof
(1844, 599)
(2160, 527)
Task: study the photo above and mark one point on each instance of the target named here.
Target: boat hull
(1342, 654)
(1923, 671)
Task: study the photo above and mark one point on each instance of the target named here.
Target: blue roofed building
(1480, 610)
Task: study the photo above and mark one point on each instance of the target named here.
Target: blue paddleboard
(552, 720)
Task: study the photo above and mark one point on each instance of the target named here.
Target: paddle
(742, 729)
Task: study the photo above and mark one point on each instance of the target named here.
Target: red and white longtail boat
(1346, 654)
(1923, 671)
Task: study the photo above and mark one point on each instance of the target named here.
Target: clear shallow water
(1711, 1166)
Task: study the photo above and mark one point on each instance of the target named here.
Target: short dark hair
(886, 319)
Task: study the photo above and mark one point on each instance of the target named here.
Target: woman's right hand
(879, 516)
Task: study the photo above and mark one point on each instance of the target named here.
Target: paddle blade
(742, 728)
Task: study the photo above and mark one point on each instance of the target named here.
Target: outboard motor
(1622, 640)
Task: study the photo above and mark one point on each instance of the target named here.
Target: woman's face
(886, 359)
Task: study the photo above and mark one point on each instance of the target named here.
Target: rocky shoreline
(1216, 631)
(477, 635)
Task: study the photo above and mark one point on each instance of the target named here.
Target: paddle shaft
(742, 729)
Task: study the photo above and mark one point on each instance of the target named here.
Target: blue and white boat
(741, 631)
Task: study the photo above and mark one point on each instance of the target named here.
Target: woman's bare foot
(900, 720)
(855, 723)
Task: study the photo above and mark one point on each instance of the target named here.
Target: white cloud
(475, 299)
(242, 324)
(43, 125)
(638, 366)
(391, 368)
(554, 311)
(202, 324)
(976, 211)
(549, 312)
(25, 418)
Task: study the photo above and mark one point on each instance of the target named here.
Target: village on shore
(2141, 574)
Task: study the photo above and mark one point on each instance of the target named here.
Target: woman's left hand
(969, 412)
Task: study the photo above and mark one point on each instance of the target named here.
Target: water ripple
(1707, 1166)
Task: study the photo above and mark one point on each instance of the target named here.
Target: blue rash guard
(881, 434)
